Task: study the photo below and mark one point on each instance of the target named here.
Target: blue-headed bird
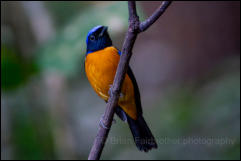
(101, 63)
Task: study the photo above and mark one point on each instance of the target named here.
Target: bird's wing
(136, 89)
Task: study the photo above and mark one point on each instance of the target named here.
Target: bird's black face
(97, 39)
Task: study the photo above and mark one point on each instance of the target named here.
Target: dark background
(187, 66)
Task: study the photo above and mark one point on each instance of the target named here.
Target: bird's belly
(101, 78)
(100, 68)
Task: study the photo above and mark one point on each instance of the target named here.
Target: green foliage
(14, 69)
(62, 12)
(32, 138)
(65, 53)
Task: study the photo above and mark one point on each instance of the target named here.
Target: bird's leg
(110, 92)
(103, 125)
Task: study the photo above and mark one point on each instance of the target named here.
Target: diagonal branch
(133, 30)
(152, 19)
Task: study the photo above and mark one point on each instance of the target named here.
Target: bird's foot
(102, 123)
(110, 92)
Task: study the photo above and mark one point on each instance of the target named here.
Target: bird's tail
(141, 133)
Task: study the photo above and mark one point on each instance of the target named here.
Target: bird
(101, 61)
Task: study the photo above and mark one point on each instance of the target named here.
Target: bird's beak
(103, 31)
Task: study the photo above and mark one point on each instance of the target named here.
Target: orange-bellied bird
(101, 63)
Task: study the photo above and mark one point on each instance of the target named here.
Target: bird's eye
(92, 37)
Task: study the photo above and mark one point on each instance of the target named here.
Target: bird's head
(97, 39)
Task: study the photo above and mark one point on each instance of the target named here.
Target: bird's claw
(110, 92)
(102, 123)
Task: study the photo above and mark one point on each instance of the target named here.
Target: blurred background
(187, 66)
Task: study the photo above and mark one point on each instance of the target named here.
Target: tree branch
(133, 30)
(148, 22)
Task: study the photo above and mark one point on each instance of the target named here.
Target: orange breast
(100, 68)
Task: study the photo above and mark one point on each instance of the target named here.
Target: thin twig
(135, 27)
(152, 19)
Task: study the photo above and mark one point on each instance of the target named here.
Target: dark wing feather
(136, 90)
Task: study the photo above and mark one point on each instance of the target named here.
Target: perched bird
(101, 63)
